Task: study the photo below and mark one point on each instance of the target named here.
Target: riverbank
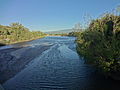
(16, 32)
(4, 44)
(13, 60)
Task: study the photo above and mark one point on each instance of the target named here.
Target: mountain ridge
(65, 31)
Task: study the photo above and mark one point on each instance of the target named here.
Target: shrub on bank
(100, 44)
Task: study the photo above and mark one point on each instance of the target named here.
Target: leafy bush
(101, 44)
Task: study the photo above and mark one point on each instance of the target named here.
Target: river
(57, 68)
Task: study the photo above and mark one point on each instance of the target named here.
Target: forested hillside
(99, 44)
(16, 32)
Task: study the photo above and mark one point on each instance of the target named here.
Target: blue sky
(46, 15)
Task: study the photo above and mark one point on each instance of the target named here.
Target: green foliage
(75, 34)
(61, 34)
(100, 43)
(16, 32)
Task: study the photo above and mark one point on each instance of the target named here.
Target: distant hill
(66, 31)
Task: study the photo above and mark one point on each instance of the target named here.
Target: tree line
(16, 32)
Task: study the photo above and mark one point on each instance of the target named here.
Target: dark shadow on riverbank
(2, 44)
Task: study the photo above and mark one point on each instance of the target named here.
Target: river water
(58, 68)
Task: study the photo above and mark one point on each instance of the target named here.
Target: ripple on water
(58, 68)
